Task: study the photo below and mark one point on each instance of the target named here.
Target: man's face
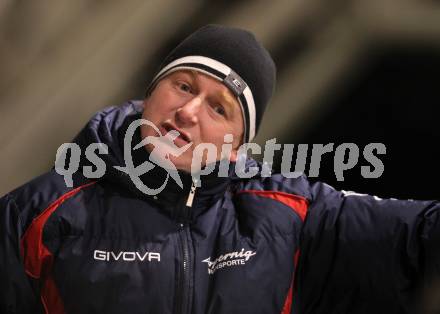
(199, 107)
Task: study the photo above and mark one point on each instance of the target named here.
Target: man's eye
(185, 87)
(219, 109)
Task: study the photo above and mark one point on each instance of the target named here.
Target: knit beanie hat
(234, 57)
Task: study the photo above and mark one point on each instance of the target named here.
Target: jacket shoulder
(277, 183)
(33, 197)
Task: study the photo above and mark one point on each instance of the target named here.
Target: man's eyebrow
(190, 73)
(228, 100)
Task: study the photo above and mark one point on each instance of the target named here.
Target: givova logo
(236, 258)
(125, 256)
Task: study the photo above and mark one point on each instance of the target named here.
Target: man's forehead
(222, 90)
(184, 72)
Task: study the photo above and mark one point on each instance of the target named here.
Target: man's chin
(182, 163)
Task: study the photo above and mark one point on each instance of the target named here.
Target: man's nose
(188, 113)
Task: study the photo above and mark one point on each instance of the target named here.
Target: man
(222, 245)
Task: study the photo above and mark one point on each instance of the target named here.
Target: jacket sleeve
(17, 293)
(367, 247)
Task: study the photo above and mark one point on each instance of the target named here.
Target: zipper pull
(192, 191)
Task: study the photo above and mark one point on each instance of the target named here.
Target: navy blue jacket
(258, 245)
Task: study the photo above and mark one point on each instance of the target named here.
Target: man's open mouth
(168, 126)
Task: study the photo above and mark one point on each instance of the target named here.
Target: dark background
(393, 100)
(348, 71)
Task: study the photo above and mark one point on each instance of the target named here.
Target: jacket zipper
(191, 194)
(185, 279)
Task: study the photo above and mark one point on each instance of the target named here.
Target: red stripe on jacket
(299, 205)
(38, 259)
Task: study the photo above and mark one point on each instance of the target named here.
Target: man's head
(199, 107)
(215, 69)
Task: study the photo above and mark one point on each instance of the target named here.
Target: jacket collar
(172, 197)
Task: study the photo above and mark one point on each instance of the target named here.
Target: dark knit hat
(234, 57)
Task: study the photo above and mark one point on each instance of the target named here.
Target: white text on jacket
(125, 256)
(236, 258)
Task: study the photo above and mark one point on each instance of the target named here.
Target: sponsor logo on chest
(126, 256)
(237, 258)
